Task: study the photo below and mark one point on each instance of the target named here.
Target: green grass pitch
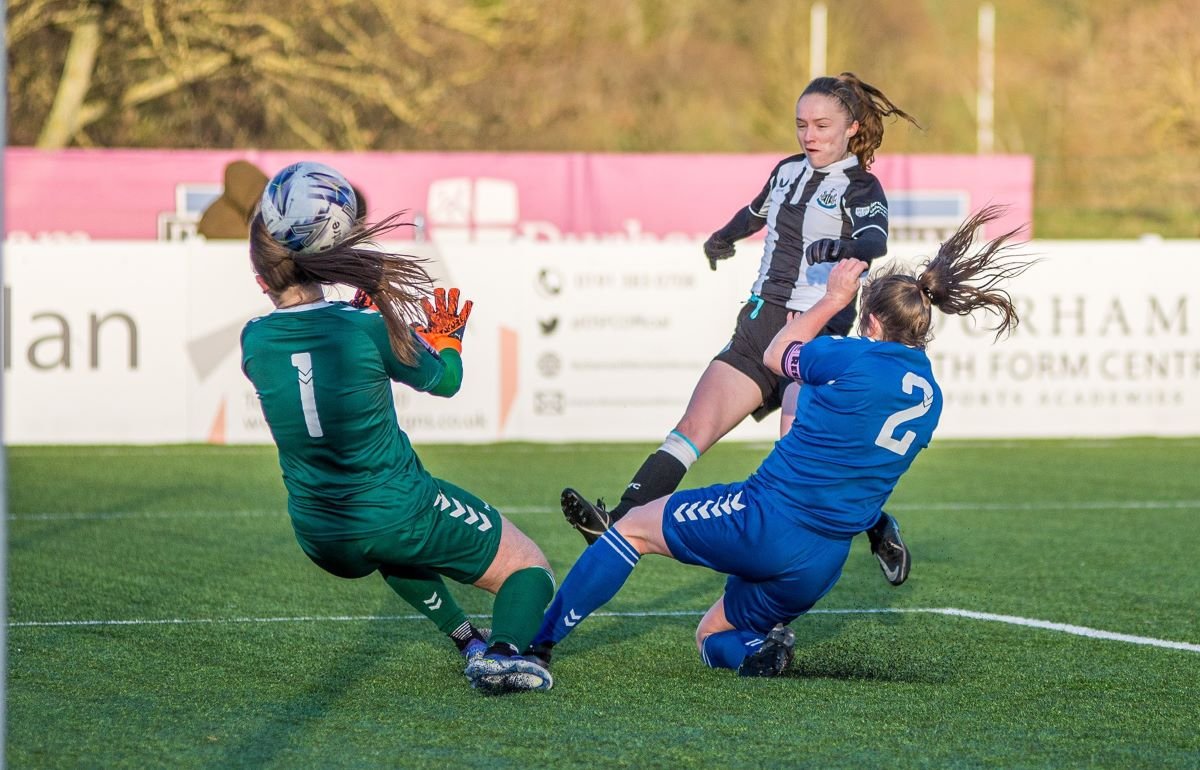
(273, 663)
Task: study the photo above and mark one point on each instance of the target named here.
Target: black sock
(502, 648)
(463, 635)
(659, 475)
(544, 651)
(880, 523)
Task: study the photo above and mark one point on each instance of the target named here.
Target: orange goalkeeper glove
(446, 323)
(363, 300)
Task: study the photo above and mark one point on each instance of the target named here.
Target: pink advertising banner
(72, 195)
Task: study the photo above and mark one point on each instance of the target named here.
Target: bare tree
(306, 71)
(1101, 92)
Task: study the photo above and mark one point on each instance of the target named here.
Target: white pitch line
(36, 451)
(1066, 628)
(110, 515)
(1048, 505)
(1074, 505)
(297, 619)
(151, 515)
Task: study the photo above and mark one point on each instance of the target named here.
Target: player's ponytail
(396, 282)
(956, 281)
(864, 103)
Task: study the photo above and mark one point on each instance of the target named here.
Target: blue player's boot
(773, 656)
(478, 644)
(499, 671)
(540, 654)
(893, 555)
(592, 521)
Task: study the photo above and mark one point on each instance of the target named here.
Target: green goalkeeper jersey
(323, 375)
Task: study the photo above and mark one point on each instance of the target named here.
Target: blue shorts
(777, 567)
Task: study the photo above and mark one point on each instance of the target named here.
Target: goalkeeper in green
(359, 499)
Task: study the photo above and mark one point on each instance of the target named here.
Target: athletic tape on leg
(681, 448)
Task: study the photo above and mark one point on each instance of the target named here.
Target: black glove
(826, 250)
(717, 248)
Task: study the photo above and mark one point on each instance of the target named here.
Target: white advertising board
(115, 342)
(1108, 345)
(93, 352)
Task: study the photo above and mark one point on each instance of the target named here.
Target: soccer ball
(309, 207)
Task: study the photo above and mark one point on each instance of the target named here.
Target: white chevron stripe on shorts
(709, 509)
(474, 518)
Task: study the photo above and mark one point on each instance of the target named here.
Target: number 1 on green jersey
(308, 394)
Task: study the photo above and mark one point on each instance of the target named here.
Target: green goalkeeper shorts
(456, 535)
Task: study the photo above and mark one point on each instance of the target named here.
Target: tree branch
(63, 120)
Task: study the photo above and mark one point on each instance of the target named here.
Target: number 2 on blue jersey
(901, 445)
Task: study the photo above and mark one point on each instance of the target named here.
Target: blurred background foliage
(1104, 94)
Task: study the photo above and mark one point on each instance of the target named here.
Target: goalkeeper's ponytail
(396, 282)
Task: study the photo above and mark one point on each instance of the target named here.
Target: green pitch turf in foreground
(161, 615)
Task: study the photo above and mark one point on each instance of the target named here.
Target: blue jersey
(864, 412)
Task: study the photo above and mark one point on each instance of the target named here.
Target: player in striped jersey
(819, 207)
(869, 405)
(359, 498)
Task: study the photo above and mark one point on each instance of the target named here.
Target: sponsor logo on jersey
(875, 209)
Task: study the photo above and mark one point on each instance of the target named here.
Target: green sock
(520, 604)
(427, 593)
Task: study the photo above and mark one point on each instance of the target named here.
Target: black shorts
(750, 339)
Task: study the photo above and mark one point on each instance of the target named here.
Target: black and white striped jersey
(801, 205)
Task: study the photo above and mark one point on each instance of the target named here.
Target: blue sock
(600, 572)
(727, 649)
